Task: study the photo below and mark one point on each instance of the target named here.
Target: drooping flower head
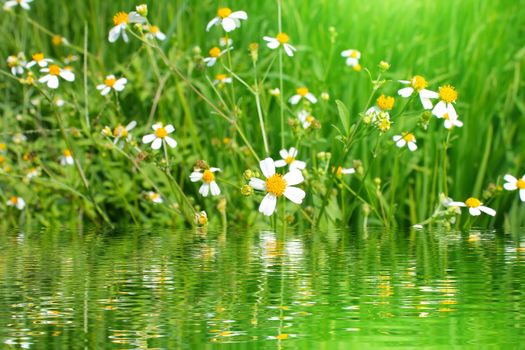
(406, 139)
(418, 84)
(121, 21)
(302, 93)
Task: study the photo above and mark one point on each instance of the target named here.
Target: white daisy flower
(70, 59)
(112, 83)
(16, 63)
(154, 197)
(59, 101)
(22, 3)
(122, 132)
(451, 121)
(121, 20)
(17, 202)
(54, 72)
(352, 57)
(222, 79)
(513, 184)
(67, 158)
(225, 41)
(153, 32)
(214, 53)
(306, 118)
(38, 58)
(406, 138)
(275, 92)
(288, 158)
(301, 93)
(228, 19)
(281, 39)
(208, 181)
(474, 206)
(19, 138)
(159, 136)
(340, 171)
(445, 108)
(418, 84)
(33, 172)
(277, 185)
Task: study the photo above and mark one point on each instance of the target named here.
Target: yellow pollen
(276, 185)
(154, 196)
(220, 77)
(13, 200)
(521, 184)
(448, 93)
(282, 336)
(386, 103)
(419, 83)
(54, 69)
(357, 67)
(161, 132)
(110, 81)
(154, 29)
(120, 17)
(446, 116)
(339, 171)
(120, 131)
(282, 38)
(224, 12)
(408, 137)
(289, 160)
(38, 57)
(208, 176)
(310, 119)
(215, 52)
(472, 202)
(67, 153)
(56, 40)
(353, 54)
(302, 91)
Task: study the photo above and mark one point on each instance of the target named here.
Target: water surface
(260, 290)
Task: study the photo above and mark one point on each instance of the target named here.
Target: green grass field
(476, 46)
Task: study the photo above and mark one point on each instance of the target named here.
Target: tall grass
(476, 46)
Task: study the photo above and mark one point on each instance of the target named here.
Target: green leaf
(344, 115)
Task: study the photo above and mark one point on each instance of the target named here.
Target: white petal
(148, 138)
(161, 36)
(212, 23)
(215, 190)
(428, 94)
(293, 177)
(267, 167)
(510, 186)
(44, 79)
(474, 211)
(67, 75)
(294, 194)
(522, 195)
(448, 124)
(114, 34)
(101, 86)
(397, 138)
(268, 204)
(134, 17)
(401, 143)
(451, 111)
(510, 178)
(283, 153)
(169, 128)
(288, 50)
(405, 92)
(124, 35)
(157, 143)
(106, 91)
(239, 15)
(427, 104)
(351, 61)
(196, 176)
(211, 61)
(456, 204)
(310, 97)
(228, 24)
(273, 44)
(280, 163)
(156, 126)
(298, 164)
(295, 99)
(348, 171)
(487, 210)
(214, 170)
(412, 146)
(205, 189)
(171, 142)
(131, 125)
(52, 82)
(293, 152)
(440, 109)
(258, 184)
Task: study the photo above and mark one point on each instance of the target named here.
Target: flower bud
(384, 66)
(142, 10)
(247, 190)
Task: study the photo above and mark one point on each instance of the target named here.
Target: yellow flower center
(56, 40)
(386, 103)
(224, 12)
(408, 137)
(521, 184)
(310, 119)
(282, 38)
(12, 61)
(357, 67)
(208, 176)
(302, 91)
(220, 77)
(446, 116)
(472, 202)
(448, 93)
(110, 82)
(13, 200)
(353, 54)
(161, 132)
(54, 69)
(215, 52)
(154, 29)
(419, 83)
(120, 18)
(120, 131)
(276, 185)
(289, 160)
(67, 153)
(153, 196)
(38, 57)
(338, 171)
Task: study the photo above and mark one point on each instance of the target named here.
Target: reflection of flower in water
(272, 249)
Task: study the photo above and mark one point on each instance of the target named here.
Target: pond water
(260, 290)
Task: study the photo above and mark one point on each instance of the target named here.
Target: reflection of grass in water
(473, 46)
